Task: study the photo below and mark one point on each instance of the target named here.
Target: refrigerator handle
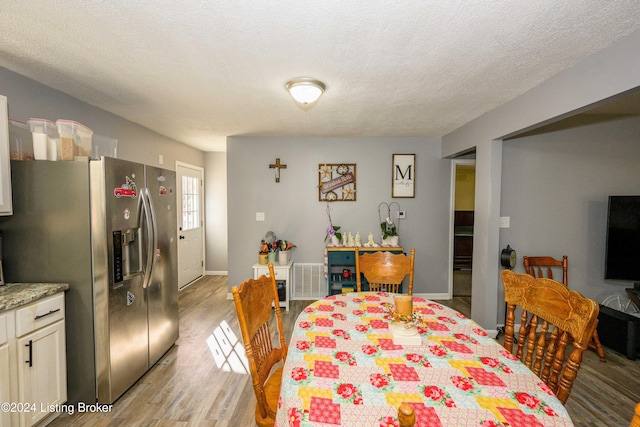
(154, 223)
(150, 236)
(154, 228)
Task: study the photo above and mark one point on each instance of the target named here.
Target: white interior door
(190, 223)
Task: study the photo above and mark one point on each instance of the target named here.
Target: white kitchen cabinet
(40, 359)
(6, 207)
(5, 389)
(43, 381)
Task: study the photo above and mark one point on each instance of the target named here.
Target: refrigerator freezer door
(162, 290)
(121, 309)
(48, 239)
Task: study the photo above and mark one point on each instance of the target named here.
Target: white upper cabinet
(6, 207)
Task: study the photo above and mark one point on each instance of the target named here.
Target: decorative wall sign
(337, 182)
(403, 175)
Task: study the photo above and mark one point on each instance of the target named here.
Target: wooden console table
(340, 259)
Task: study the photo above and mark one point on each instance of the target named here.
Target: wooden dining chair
(384, 270)
(537, 265)
(552, 316)
(254, 300)
(635, 421)
(406, 415)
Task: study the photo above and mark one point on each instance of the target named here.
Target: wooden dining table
(343, 368)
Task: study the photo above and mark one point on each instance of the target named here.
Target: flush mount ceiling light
(305, 90)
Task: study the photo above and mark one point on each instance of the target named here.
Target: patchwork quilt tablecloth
(343, 368)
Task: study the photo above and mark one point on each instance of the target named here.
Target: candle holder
(403, 327)
(405, 321)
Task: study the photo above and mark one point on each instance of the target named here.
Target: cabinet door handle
(30, 361)
(46, 314)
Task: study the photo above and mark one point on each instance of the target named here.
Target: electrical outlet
(505, 221)
(402, 214)
(259, 216)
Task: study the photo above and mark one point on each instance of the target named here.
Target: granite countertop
(16, 294)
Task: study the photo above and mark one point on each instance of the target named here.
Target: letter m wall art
(403, 175)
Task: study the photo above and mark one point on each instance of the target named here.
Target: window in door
(190, 203)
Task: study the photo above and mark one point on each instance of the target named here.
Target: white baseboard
(434, 296)
(216, 273)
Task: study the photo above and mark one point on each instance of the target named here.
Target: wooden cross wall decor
(277, 166)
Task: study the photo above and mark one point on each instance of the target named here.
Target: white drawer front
(39, 314)
(3, 328)
(280, 274)
(261, 272)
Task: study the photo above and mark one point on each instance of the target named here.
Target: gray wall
(605, 74)
(215, 177)
(27, 98)
(293, 212)
(555, 185)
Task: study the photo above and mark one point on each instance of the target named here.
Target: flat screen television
(622, 257)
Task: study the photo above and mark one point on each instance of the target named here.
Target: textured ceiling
(201, 70)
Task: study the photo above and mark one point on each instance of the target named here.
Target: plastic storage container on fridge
(45, 136)
(20, 140)
(75, 139)
(104, 146)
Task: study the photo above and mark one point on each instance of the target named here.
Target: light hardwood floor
(186, 388)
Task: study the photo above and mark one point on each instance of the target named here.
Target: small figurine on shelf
(370, 243)
(358, 244)
(352, 241)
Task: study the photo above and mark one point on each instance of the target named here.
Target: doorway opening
(463, 206)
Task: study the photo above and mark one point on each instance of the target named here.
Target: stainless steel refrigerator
(108, 228)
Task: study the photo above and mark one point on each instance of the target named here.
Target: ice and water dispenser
(127, 255)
